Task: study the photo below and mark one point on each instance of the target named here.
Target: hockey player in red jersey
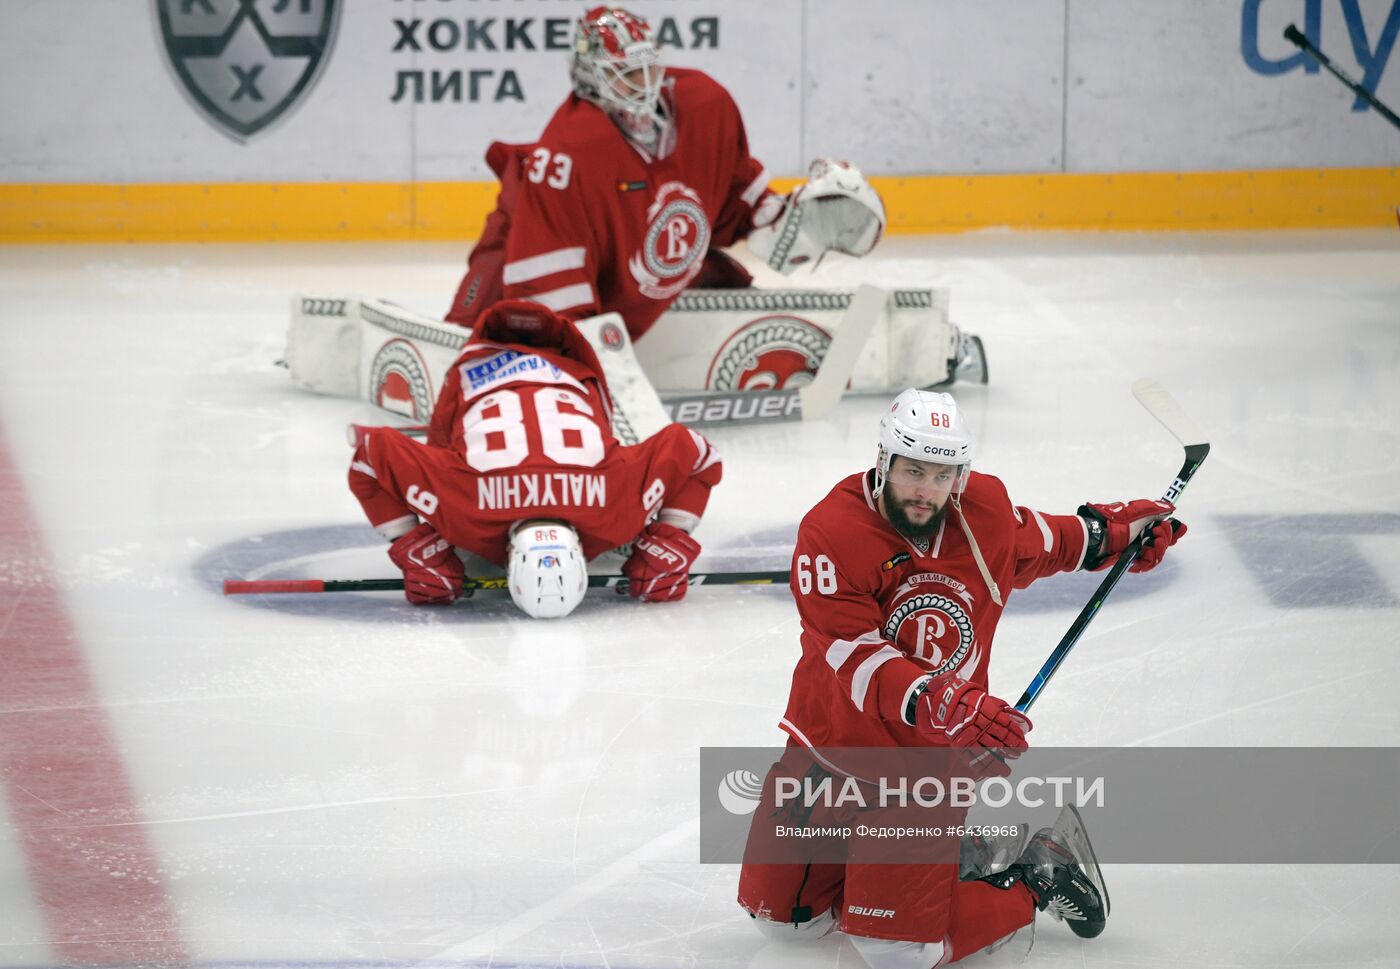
(900, 576)
(637, 181)
(522, 469)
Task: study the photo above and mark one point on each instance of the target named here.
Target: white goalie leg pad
(818, 928)
(371, 349)
(404, 357)
(889, 954)
(637, 412)
(375, 350)
(323, 345)
(770, 339)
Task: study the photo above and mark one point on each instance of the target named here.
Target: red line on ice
(99, 888)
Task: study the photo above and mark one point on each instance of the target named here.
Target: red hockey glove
(660, 563)
(963, 715)
(1112, 528)
(432, 573)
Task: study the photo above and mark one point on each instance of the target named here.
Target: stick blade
(819, 398)
(1163, 406)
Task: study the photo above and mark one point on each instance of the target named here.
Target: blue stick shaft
(1195, 454)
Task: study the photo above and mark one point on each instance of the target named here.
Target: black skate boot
(1060, 869)
(968, 364)
(971, 365)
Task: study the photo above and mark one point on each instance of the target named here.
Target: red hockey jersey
(521, 431)
(879, 613)
(590, 223)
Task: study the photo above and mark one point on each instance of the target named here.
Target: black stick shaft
(618, 582)
(1296, 36)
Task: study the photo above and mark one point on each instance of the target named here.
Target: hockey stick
(1293, 34)
(1162, 406)
(239, 587)
(812, 402)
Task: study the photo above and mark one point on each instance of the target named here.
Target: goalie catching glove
(432, 573)
(836, 208)
(1112, 528)
(659, 566)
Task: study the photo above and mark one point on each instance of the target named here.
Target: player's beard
(895, 513)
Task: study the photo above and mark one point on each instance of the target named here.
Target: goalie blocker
(710, 341)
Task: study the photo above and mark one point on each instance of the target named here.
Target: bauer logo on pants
(245, 63)
(771, 353)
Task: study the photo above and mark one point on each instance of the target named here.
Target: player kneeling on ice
(521, 468)
(900, 576)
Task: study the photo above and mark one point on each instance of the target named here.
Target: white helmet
(548, 573)
(926, 427)
(616, 65)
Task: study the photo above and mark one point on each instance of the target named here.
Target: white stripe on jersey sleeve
(545, 264)
(840, 650)
(398, 527)
(756, 188)
(684, 520)
(566, 297)
(707, 453)
(1044, 529)
(865, 672)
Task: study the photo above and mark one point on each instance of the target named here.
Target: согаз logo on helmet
(245, 65)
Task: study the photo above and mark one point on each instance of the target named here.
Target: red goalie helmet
(617, 65)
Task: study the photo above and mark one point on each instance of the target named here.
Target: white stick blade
(821, 395)
(1161, 405)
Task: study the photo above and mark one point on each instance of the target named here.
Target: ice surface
(345, 780)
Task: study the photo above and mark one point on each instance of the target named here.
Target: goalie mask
(616, 65)
(927, 427)
(547, 571)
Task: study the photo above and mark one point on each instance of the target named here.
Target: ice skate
(1060, 869)
(968, 364)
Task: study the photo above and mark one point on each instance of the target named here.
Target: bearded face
(915, 497)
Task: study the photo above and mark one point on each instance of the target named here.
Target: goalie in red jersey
(900, 576)
(522, 469)
(638, 179)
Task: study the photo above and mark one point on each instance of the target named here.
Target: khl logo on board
(245, 63)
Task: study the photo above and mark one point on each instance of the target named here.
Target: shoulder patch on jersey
(894, 560)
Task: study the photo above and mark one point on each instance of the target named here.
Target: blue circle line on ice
(328, 551)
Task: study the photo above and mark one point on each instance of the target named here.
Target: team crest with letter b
(245, 63)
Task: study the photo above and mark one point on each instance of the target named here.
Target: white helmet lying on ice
(925, 426)
(836, 208)
(547, 571)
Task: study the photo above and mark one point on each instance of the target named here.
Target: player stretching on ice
(521, 468)
(900, 576)
(637, 180)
